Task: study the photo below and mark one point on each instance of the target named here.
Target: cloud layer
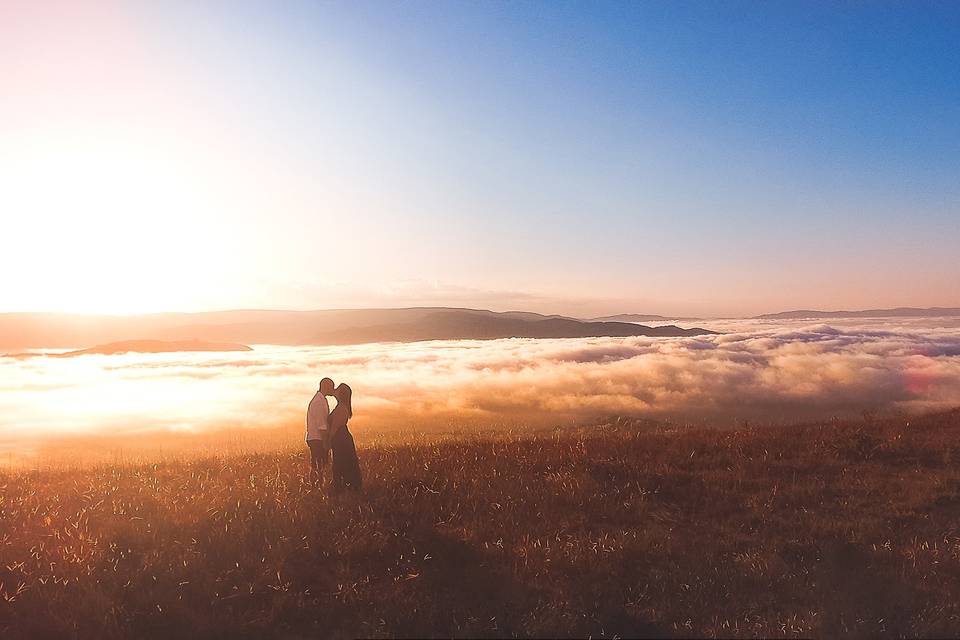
(758, 371)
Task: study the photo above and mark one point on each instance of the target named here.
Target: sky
(581, 158)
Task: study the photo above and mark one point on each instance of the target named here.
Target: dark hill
(453, 325)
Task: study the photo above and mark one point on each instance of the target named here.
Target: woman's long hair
(344, 395)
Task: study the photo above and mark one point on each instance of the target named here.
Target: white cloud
(756, 371)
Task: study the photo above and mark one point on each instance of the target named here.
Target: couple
(327, 430)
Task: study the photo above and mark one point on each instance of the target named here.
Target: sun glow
(105, 221)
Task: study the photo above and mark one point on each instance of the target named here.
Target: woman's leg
(340, 459)
(352, 466)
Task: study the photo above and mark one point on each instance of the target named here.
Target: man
(318, 429)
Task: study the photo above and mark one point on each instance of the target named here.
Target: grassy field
(621, 529)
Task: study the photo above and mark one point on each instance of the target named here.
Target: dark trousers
(319, 454)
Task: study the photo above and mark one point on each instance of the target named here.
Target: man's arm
(309, 410)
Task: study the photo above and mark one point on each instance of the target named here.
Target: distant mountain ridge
(898, 312)
(337, 326)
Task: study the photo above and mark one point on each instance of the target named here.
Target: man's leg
(316, 462)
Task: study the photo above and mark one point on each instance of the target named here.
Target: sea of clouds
(754, 370)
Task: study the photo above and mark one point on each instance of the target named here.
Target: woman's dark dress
(346, 466)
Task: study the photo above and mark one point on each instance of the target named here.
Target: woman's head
(343, 393)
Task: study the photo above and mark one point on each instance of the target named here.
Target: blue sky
(708, 158)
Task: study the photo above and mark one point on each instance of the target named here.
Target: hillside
(627, 528)
(155, 346)
(345, 326)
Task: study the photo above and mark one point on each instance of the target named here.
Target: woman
(346, 467)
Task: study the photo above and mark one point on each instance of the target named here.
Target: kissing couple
(328, 431)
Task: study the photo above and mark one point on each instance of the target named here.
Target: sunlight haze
(193, 156)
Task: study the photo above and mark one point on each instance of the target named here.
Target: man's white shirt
(318, 417)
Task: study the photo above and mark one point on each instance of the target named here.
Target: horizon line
(462, 308)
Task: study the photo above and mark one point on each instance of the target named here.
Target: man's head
(326, 387)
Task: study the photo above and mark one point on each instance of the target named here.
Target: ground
(623, 528)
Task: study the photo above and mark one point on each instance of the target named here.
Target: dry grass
(832, 529)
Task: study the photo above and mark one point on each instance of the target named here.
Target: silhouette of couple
(328, 431)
